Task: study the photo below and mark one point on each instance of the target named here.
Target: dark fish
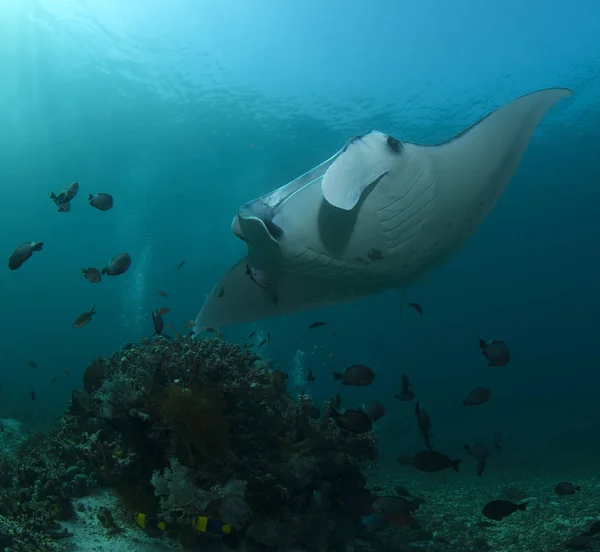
(159, 323)
(477, 451)
(211, 330)
(424, 423)
(496, 352)
(84, 318)
(359, 375)
(101, 201)
(402, 491)
(312, 411)
(67, 194)
(375, 522)
(94, 375)
(391, 505)
(565, 488)
(479, 395)
(63, 199)
(406, 394)
(92, 275)
(221, 292)
(278, 378)
(252, 334)
(54, 379)
(117, 265)
(22, 253)
(310, 376)
(432, 461)
(180, 265)
(593, 530)
(374, 409)
(417, 307)
(316, 325)
(499, 509)
(32, 364)
(161, 292)
(355, 421)
(163, 310)
(32, 394)
(337, 401)
(260, 278)
(268, 336)
(480, 467)
(152, 526)
(262, 343)
(497, 439)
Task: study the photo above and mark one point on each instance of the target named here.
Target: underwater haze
(185, 110)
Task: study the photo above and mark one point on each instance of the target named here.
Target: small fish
(212, 526)
(158, 322)
(374, 409)
(152, 526)
(392, 505)
(22, 253)
(189, 324)
(477, 451)
(402, 491)
(92, 275)
(119, 264)
(84, 318)
(432, 461)
(101, 201)
(211, 330)
(278, 378)
(330, 355)
(337, 401)
(32, 395)
(252, 334)
(358, 375)
(220, 335)
(312, 411)
(163, 310)
(375, 522)
(496, 352)
(32, 364)
(355, 421)
(417, 307)
(160, 292)
(479, 395)
(499, 509)
(221, 292)
(262, 343)
(268, 336)
(424, 423)
(316, 325)
(63, 199)
(259, 277)
(565, 489)
(180, 265)
(406, 394)
(497, 440)
(54, 379)
(310, 377)
(480, 467)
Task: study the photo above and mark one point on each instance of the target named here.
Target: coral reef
(184, 428)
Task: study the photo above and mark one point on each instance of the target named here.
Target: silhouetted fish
(499, 509)
(417, 307)
(496, 352)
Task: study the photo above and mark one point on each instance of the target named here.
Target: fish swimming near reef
(210, 525)
(84, 318)
(405, 207)
(101, 201)
(499, 509)
(151, 525)
(92, 275)
(63, 199)
(479, 395)
(356, 375)
(119, 264)
(406, 394)
(22, 253)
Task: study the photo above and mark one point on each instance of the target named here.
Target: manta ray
(379, 214)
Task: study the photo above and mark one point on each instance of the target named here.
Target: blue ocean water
(185, 110)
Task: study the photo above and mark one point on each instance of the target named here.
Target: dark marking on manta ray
(394, 144)
(375, 254)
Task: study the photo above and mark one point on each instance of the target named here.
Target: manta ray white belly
(378, 214)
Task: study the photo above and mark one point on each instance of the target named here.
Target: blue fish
(375, 522)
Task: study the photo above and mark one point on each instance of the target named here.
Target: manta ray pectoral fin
(363, 162)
